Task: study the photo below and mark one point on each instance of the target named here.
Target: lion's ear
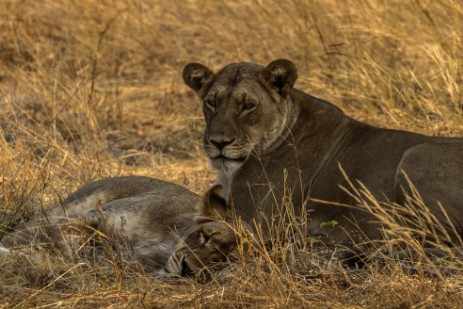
(214, 205)
(280, 74)
(196, 75)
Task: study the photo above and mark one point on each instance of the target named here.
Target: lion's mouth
(226, 164)
(224, 158)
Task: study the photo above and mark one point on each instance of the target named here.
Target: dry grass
(90, 89)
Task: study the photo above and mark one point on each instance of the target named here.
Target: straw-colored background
(90, 89)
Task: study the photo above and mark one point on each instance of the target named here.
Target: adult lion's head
(247, 107)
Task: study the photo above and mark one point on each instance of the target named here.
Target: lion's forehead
(219, 230)
(245, 89)
(237, 71)
(235, 78)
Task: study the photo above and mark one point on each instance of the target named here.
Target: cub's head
(246, 106)
(211, 241)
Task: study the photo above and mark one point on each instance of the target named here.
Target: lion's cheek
(252, 119)
(255, 135)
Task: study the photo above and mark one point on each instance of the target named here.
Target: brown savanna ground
(90, 89)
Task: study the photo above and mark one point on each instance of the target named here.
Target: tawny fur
(289, 146)
(149, 219)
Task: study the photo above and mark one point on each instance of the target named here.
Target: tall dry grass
(90, 89)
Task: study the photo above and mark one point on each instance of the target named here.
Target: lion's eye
(203, 237)
(211, 104)
(249, 106)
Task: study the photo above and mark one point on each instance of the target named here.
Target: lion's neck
(225, 180)
(290, 119)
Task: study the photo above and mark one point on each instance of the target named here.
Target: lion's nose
(220, 143)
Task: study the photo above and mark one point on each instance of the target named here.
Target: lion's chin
(227, 166)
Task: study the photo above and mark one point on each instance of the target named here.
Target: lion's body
(144, 217)
(291, 146)
(436, 172)
(307, 165)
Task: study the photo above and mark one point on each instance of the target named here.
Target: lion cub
(147, 218)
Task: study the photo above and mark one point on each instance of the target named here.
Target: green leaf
(331, 223)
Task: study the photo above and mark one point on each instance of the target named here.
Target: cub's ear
(214, 205)
(196, 75)
(280, 74)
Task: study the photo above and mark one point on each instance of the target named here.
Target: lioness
(166, 227)
(269, 140)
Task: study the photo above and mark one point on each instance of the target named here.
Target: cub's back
(103, 191)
